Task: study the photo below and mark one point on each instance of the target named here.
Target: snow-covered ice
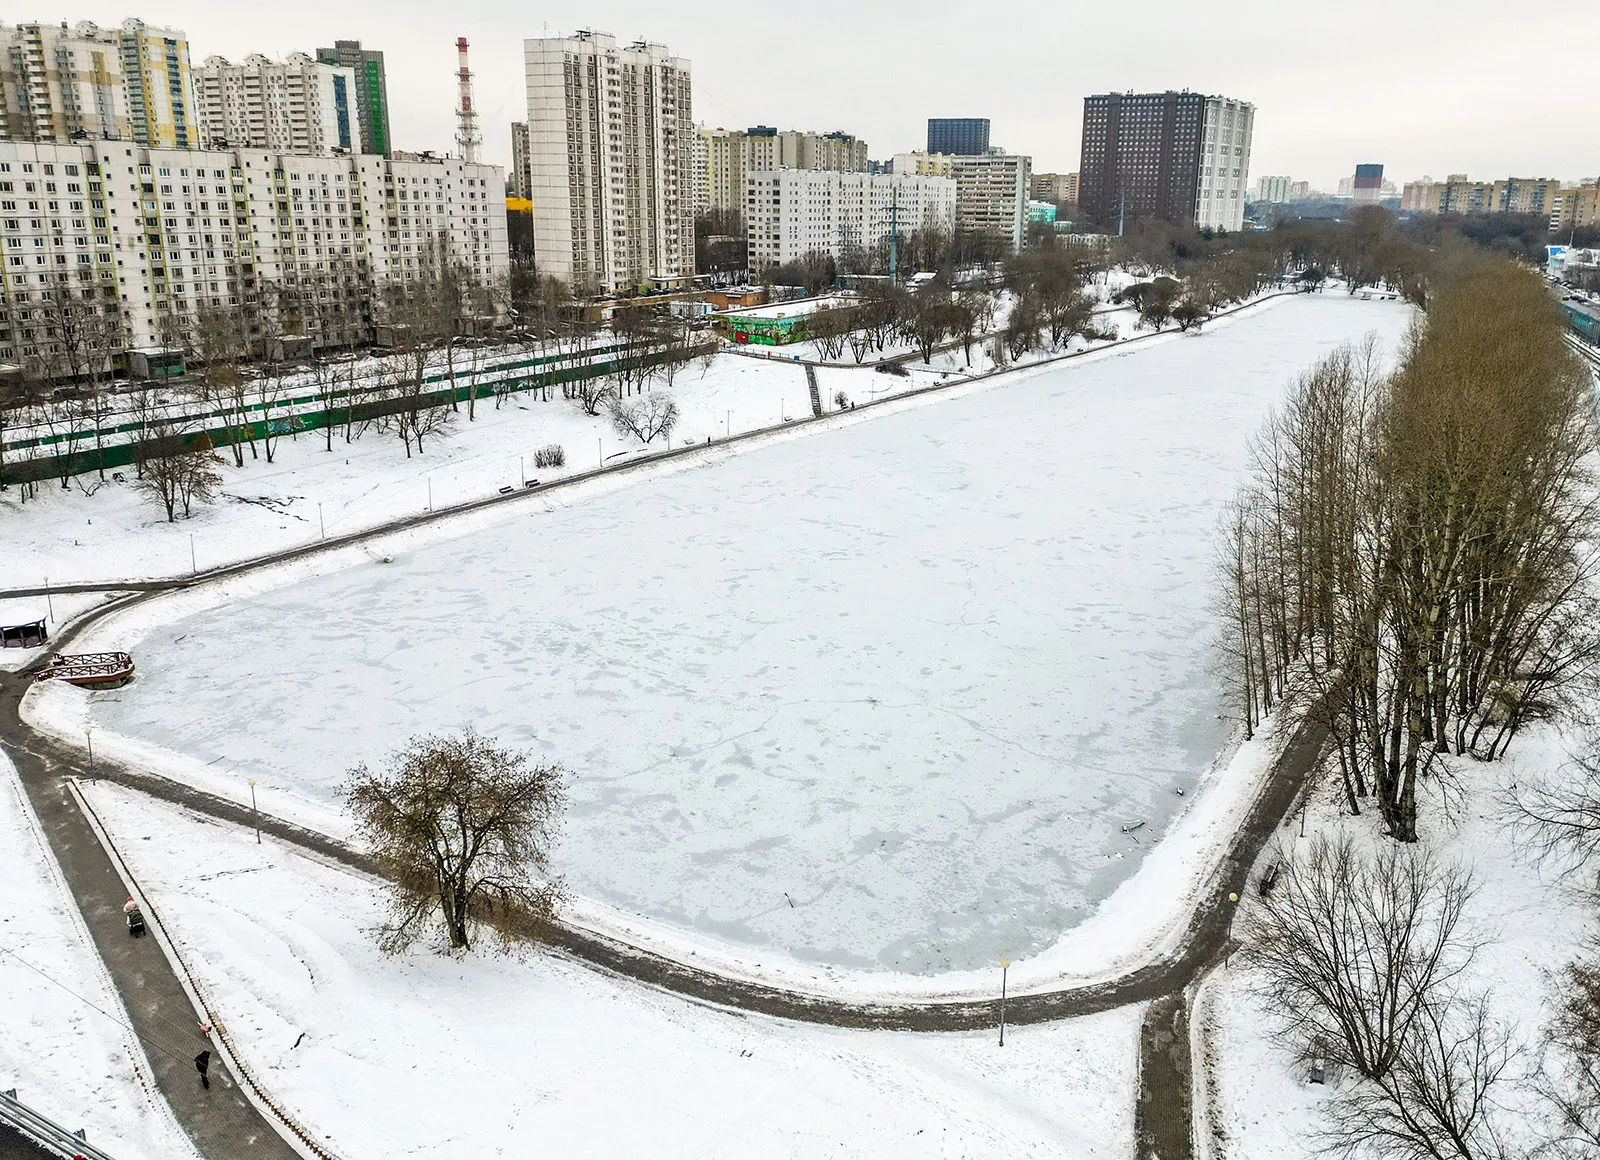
(65, 1043)
(883, 696)
(424, 1055)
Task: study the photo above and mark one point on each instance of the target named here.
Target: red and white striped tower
(468, 139)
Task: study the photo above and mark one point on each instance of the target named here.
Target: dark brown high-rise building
(1182, 157)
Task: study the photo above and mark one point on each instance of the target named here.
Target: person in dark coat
(201, 1063)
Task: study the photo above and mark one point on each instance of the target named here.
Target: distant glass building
(372, 91)
(1367, 189)
(962, 136)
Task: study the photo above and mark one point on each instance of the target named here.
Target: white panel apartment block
(160, 232)
(612, 161)
(296, 105)
(992, 195)
(793, 212)
(1225, 164)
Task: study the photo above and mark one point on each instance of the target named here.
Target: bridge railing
(46, 1132)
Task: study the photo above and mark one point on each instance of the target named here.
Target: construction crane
(468, 139)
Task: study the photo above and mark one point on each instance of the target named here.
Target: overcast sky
(1477, 86)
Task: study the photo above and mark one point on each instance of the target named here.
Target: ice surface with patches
(427, 1055)
(882, 697)
(65, 1045)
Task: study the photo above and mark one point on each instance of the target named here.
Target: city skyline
(1330, 94)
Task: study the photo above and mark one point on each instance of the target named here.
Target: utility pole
(894, 229)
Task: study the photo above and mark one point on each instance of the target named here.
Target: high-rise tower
(372, 91)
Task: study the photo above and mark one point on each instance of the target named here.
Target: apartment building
(297, 105)
(699, 176)
(1531, 195)
(1060, 188)
(1179, 156)
(727, 156)
(372, 91)
(1225, 164)
(521, 174)
(1459, 195)
(130, 83)
(793, 212)
(1274, 190)
(154, 236)
(992, 196)
(1577, 207)
(610, 146)
(923, 165)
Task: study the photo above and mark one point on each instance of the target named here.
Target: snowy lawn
(424, 1055)
(118, 533)
(882, 696)
(1532, 924)
(65, 1045)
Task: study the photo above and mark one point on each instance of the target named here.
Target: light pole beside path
(1005, 967)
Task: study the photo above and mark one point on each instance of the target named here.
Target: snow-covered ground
(882, 695)
(65, 1045)
(424, 1055)
(1531, 924)
(116, 532)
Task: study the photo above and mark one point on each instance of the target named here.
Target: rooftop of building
(796, 308)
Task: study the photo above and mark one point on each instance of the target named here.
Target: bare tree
(1559, 813)
(1437, 1101)
(1190, 313)
(218, 343)
(592, 392)
(462, 828)
(1352, 948)
(1570, 1081)
(644, 416)
(829, 328)
(1158, 302)
(183, 477)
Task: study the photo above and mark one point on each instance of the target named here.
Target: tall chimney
(468, 139)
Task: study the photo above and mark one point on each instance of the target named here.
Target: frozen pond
(883, 696)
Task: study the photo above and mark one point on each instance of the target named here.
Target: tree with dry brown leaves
(462, 829)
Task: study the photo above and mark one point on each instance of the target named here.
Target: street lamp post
(1005, 967)
(254, 816)
(48, 603)
(88, 736)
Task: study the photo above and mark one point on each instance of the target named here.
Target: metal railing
(294, 1133)
(46, 1132)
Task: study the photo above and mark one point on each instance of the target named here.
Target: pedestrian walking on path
(201, 1062)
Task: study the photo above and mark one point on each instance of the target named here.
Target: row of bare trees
(1415, 555)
